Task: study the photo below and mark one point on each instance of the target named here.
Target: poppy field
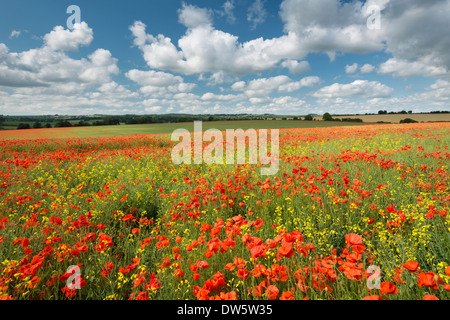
(352, 213)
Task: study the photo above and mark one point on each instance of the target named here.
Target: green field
(162, 128)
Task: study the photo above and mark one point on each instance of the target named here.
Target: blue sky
(202, 56)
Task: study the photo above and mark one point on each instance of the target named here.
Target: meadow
(161, 128)
(355, 212)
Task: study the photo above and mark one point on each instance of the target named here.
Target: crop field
(396, 118)
(354, 212)
(161, 128)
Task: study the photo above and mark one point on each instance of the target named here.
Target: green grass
(163, 128)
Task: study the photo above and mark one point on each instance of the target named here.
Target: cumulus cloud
(296, 67)
(358, 88)
(296, 85)
(416, 33)
(367, 68)
(327, 26)
(64, 39)
(423, 66)
(351, 68)
(46, 77)
(204, 49)
(159, 83)
(263, 87)
(44, 67)
(193, 16)
(330, 26)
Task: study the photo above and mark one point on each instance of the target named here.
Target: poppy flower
(447, 271)
(411, 266)
(388, 287)
(179, 273)
(430, 297)
(372, 297)
(257, 251)
(286, 251)
(287, 295)
(272, 292)
(25, 242)
(429, 279)
(353, 239)
(229, 266)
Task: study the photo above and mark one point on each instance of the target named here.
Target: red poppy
(372, 297)
(179, 273)
(272, 292)
(287, 295)
(353, 239)
(286, 251)
(430, 297)
(388, 287)
(411, 266)
(447, 271)
(429, 279)
(25, 242)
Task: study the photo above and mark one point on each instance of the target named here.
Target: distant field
(395, 118)
(162, 128)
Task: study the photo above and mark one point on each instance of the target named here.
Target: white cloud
(296, 85)
(261, 87)
(330, 26)
(204, 49)
(64, 39)
(420, 67)
(351, 68)
(159, 83)
(14, 34)
(44, 67)
(417, 36)
(296, 67)
(256, 13)
(228, 8)
(367, 68)
(358, 88)
(209, 96)
(414, 32)
(192, 16)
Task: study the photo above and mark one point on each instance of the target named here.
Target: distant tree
(308, 117)
(327, 117)
(210, 118)
(61, 124)
(2, 119)
(83, 123)
(382, 112)
(189, 119)
(48, 125)
(23, 126)
(37, 125)
(408, 120)
(403, 112)
(410, 111)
